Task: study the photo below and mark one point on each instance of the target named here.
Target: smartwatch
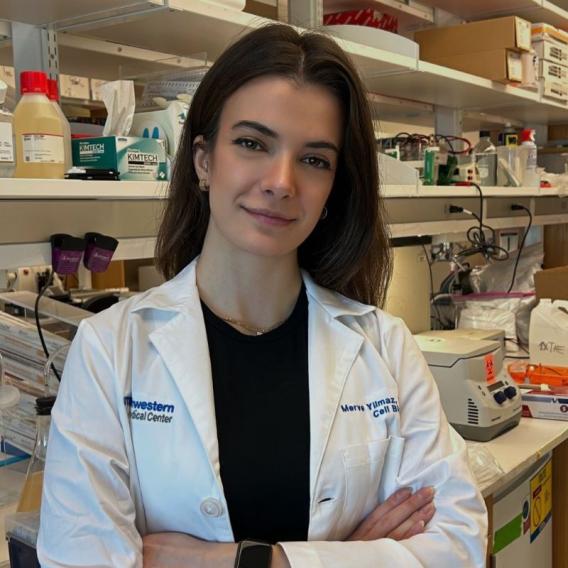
(253, 554)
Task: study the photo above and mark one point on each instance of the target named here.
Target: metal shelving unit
(119, 32)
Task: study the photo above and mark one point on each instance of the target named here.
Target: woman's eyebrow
(256, 126)
(263, 129)
(323, 145)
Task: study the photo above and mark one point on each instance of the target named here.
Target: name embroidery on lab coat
(379, 407)
(149, 411)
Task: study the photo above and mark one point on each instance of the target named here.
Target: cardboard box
(552, 283)
(96, 84)
(556, 242)
(483, 36)
(541, 31)
(140, 159)
(74, 87)
(8, 75)
(554, 89)
(503, 65)
(558, 131)
(550, 71)
(551, 49)
(552, 405)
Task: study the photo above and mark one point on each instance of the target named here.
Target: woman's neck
(256, 290)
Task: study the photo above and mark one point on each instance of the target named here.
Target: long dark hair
(349, 250)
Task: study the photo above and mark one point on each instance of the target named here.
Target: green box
(137, 159)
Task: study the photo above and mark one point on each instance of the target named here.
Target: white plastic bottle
(53, 94)
(528, 159)
(7, 152)
(38, 131)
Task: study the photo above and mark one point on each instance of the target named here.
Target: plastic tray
(526, 373)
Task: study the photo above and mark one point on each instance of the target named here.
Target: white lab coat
(376, 426)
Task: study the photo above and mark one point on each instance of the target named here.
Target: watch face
(256, 556)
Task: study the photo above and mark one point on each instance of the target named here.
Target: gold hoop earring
(323, 214)
(203, 185)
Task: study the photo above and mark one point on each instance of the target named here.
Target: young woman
(259, 394)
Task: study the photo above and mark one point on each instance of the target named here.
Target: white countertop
(523, 446)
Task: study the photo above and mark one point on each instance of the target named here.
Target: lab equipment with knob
(478, 397)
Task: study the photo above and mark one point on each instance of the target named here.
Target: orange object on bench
(526, 373)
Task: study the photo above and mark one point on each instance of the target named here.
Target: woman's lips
(268, 217)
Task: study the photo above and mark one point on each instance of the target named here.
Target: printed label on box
(6, 142)
(514, 66)
(523, 34)
(43, 148)
(74, 87)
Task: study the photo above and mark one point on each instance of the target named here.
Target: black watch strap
(253, 554)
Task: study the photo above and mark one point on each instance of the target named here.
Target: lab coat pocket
(363, 465)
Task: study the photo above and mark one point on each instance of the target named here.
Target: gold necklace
(255, 330)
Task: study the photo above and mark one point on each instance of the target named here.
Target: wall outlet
(27, 278)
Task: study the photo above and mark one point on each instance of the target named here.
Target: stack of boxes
(489, 48)
(551, 47)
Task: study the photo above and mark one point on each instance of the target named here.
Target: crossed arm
(401, 516)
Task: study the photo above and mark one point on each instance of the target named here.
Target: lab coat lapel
(182, 345)
(332, 349)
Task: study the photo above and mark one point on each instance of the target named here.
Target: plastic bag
(509, 312)
(496, 277)
(483, 464)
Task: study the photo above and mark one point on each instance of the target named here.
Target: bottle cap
(3, 91)
(484, 134)
(52, 90)
(44, 404)
(33, 82)
(527, 135)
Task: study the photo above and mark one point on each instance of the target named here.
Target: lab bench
(515, 451)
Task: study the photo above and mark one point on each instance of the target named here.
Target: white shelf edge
(460, 226)
(17, 188)
(43, 189)
(476, 80)
(469, 191)
(389, 191)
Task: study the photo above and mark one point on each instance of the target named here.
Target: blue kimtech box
(137, 159)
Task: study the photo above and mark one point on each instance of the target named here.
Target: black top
(263, 425)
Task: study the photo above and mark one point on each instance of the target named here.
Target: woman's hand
(177, 550)
(401, 516)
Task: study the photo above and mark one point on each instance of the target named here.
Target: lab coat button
(211, 508)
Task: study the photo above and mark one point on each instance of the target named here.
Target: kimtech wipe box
(137, 159)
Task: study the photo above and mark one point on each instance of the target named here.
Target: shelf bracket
(305, 13)
(35, 48)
